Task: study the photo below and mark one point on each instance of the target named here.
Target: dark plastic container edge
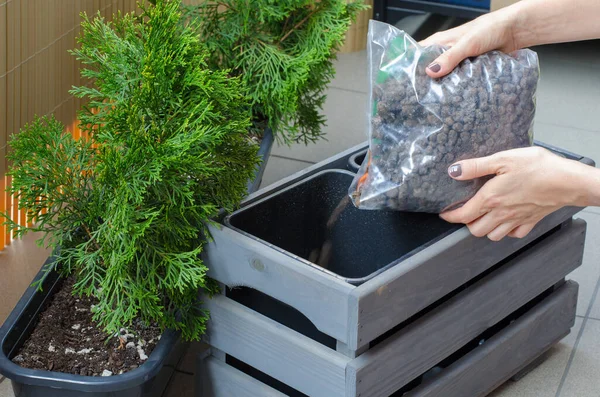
(263, 152)
(57, 380)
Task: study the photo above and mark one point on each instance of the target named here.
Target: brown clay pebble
(424, 125)
(67, 340)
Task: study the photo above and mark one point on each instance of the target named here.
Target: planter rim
(60, 380)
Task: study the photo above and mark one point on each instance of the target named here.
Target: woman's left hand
(529, 184)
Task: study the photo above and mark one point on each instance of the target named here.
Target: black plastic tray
(364, 243)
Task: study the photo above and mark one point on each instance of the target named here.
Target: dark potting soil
(67, 340)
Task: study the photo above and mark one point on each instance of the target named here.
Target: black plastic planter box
(364, 243)
(149, 380)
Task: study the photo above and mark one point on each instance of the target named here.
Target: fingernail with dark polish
(435, 67)
(455, 170)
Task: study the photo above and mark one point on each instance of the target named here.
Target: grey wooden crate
(475, 374)
(356, 315)
(317, 370)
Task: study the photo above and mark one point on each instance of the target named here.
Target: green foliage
(283, 51)
(167, 149)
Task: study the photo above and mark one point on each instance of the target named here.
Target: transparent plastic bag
(419, 126)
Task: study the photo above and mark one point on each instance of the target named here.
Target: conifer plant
(163, 151)
(284, 53)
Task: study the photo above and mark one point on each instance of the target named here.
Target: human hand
(494, 31)
(529, 183)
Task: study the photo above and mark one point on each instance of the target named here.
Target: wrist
(520, 20)
(586, 186)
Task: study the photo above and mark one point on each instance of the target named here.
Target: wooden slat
(237, 260)
(392, 364)
(397, 294)
(8, 209)
(503, 355)
(274, 349)
(217, 379)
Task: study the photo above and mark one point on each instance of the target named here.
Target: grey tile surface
(6, 389)
(346, 113)
(278, 168)
(582, 142)
(568, 94)
(588, 273)
(351, 72)
(545, 379)
(181, 385)
(583, 377)
(584, 53)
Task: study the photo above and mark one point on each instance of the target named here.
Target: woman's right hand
(494, 31)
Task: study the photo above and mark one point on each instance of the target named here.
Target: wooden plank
(274, 349)
(3, 42)
(218, 379)
(392, 297)
(237, 260)
(430, 339)
(483, 370)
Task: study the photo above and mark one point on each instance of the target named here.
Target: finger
(501, 231)
(472, 210)
(483, 226)
(523, 230)
(446, 62)
(473, 168)
(446, 38)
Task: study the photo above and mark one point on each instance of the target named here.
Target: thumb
(474, 168)
(446, 62)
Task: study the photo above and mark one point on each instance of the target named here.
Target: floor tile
(584, 53)
(181, 385)
(278, 168)
(188, 362)
(568, 95)
(346, 113)
(545, 379)
(6, 389)
(351, 72)
(583, 378)
(588, 273)
(582, 142)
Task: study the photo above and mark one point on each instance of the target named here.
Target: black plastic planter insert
(149, 380)
(363, 243)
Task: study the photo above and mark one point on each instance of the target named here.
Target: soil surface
(67, 340)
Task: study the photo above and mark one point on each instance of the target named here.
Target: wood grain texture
(487, 367)
(278, 351)
(433, 337)
(218, 379)
(237, 260)
(395, 295)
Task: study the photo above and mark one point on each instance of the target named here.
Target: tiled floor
(568, 116)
